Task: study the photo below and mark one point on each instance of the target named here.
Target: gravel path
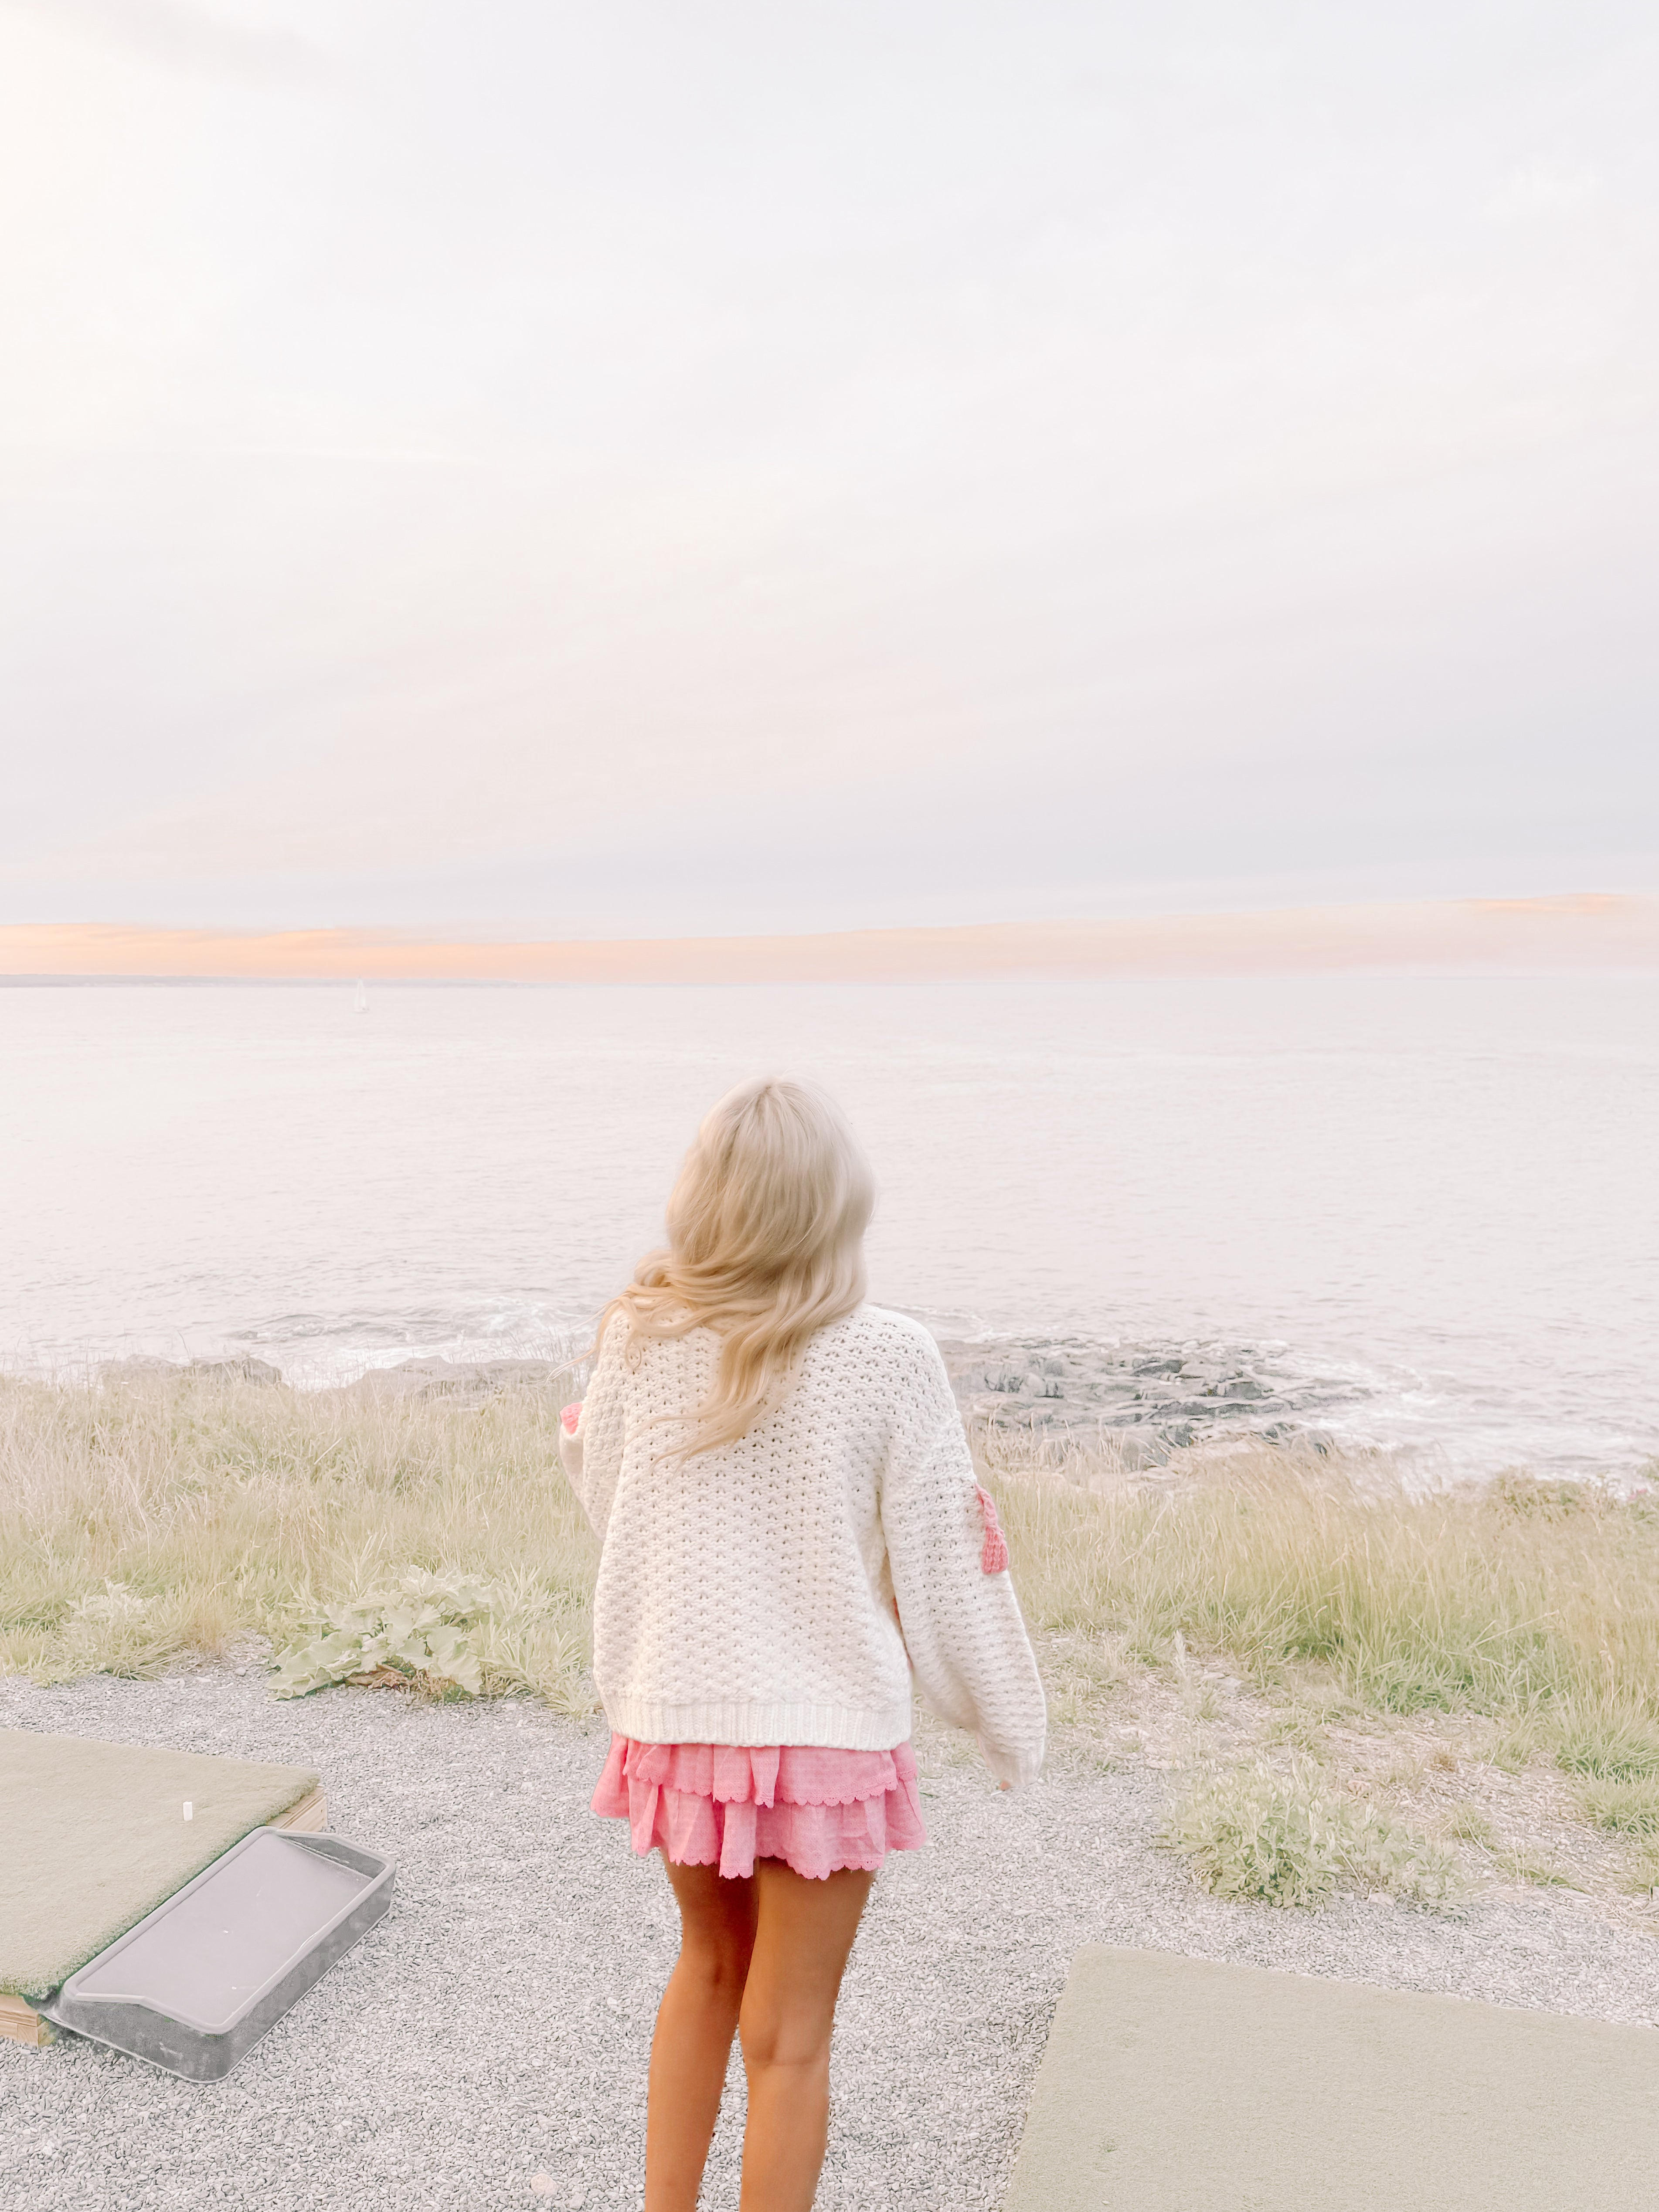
(495, 2028)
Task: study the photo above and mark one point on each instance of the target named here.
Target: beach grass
(1535, 1604)
(142, 1522)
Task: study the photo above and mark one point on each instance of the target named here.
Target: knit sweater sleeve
(969, 1650)
(592, 1454)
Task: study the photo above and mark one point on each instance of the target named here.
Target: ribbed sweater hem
(841, 1727)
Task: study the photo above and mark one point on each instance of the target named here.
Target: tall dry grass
(1537, 1603)
(140, 1522)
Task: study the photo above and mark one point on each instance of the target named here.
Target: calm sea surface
(1426, 1208)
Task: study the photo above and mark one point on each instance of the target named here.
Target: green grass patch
(1614, 1740)
(1532, 1866)
(1641, 1874)
(1470, 1826)
(1624, 1808)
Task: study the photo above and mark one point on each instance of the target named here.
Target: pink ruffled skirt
(727, 1805)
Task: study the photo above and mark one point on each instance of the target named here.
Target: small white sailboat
(362, 998)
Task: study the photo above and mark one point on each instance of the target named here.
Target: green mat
(1175, 2085)
(93, 1835)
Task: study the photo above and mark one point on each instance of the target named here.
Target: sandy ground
(491, 2034)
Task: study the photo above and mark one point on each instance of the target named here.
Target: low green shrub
(1249, 1833)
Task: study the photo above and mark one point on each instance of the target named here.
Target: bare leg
(695, 2022)
(802, 1937)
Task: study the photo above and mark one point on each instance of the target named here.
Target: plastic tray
(199, 1980)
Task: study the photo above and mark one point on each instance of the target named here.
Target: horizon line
(1579, 929)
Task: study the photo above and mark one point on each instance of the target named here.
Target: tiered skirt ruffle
(726, 1805)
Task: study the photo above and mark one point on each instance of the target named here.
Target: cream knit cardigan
(785, 1589)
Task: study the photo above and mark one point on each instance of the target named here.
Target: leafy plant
(425, 1629)
(1250, 1832)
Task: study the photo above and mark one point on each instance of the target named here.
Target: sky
(645, 470)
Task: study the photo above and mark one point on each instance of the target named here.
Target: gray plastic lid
(227, 1937)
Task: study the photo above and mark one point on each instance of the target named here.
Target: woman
(790, 1530)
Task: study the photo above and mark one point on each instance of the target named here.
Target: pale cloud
(745, 467)
(1545, 188)
(243, 48)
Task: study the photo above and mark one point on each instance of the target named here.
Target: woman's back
(753, 1592)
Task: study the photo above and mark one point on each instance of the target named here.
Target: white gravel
(495, 2028)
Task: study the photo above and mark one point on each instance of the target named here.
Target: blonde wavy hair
(766, 1225)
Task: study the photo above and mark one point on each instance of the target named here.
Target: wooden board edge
(20, 2023)
(307, 1818)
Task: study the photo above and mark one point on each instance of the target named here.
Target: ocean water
(1422, 1210)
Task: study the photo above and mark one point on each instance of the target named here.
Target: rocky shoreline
(472, 1381)
(1145, 1401)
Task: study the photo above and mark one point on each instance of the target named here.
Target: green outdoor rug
(1176, 2085)
(93, 1835)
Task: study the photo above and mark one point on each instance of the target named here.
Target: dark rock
(241, 1368)
(245, 1369)
(470, 1381)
